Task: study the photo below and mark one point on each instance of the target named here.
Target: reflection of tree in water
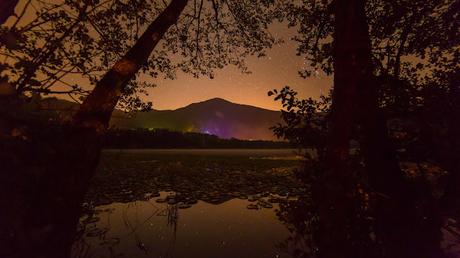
(88, 227)
(438, 236)
(173, 218)
(299, 219)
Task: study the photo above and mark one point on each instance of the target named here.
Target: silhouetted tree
(64, 47)
(352, 69)
(377, 53)
(305, 121)
(395, 33)
(96, 110)
(45, 189)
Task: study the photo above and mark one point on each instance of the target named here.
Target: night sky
(279, 68)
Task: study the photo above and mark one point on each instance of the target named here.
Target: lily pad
(252, 206)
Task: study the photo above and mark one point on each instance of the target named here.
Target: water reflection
(426, 239)
(151, 229)
(222, 207)
(237, 228)
(297, 216)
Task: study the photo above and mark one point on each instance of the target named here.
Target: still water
(151, 229)
(208, 204)
(212, 152)
(226, 204)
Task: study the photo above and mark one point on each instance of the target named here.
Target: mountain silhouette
(214, 116)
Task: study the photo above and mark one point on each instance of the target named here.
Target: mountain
(215, 116)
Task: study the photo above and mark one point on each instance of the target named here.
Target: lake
(189, 203)
(207, 203)
(150, 229)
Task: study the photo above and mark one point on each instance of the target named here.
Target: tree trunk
(405, 230)
(96, 110)
(451, 201)
(46, 173)
(334, 193)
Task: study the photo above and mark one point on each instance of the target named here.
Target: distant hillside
(215, 116)
(165, 139)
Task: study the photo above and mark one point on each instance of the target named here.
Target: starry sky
(279, 68)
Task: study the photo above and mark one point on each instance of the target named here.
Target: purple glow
(218, 128)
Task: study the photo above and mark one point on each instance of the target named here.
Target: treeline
(163, 138)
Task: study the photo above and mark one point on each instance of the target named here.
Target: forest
(161, 138)
(381, 177)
